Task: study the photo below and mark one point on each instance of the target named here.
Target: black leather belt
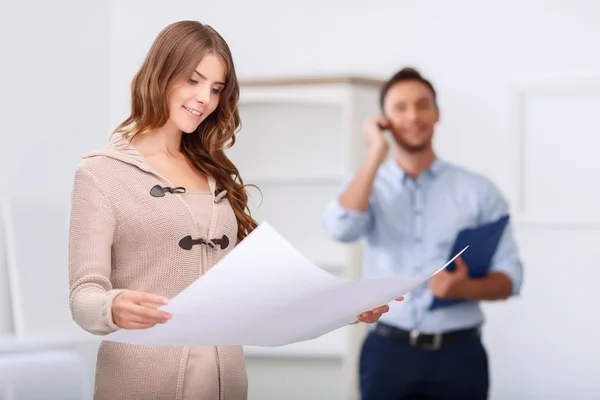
(424, 340)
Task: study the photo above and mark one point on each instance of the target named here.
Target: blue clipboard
(483, 242)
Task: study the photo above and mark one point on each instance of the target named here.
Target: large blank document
(266, 293)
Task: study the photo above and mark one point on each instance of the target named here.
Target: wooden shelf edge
(13, 344)
(330, 345)
(20, 344)
(266, 352)
(294, 180)
(312, 80)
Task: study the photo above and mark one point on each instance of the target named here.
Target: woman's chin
(188, 128)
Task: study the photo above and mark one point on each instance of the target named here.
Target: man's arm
(494, 286)
(506, 272)
(357, 194)
(457, 284)
(348, 217)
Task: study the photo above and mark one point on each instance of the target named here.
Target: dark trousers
(392, 369)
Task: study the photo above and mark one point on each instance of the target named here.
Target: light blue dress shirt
(409, 230)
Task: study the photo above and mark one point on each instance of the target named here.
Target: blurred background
(519, 91)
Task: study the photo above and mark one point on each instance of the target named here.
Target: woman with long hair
(153, 210)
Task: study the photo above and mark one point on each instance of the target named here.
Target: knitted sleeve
(91, 230)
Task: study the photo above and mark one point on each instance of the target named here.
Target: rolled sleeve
(507, 261)
(345, 225)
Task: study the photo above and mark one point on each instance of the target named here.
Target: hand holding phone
(373, 131)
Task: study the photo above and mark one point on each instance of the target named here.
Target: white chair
(36, 239)
(6, 319)
(44, 375)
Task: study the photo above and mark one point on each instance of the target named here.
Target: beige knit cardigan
(128, 231)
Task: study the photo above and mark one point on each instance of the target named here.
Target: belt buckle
(437, 340)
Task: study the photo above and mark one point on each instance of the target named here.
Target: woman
(153, 210)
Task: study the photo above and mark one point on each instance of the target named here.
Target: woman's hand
(370, 317)
(137, 310)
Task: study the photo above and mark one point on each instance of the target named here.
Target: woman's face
(190, 102)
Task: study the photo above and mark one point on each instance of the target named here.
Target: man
(408, 211)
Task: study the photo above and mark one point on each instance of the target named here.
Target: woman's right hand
(138, 310)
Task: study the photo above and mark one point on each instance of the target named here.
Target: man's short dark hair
(406, 74)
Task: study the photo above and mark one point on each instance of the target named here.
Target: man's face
(411, 110)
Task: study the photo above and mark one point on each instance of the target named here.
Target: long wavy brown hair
(172, 58)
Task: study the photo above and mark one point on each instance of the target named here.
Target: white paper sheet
(265, 293)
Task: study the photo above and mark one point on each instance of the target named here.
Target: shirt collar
(434, 170)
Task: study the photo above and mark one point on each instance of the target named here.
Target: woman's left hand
(370, 317)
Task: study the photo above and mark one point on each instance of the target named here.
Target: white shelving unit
(300, 140)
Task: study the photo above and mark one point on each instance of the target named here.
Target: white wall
(472, 50)
(54, 106)
(541, 345)
(68, 75)
(54, 77)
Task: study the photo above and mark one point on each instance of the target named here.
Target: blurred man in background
(408, 210)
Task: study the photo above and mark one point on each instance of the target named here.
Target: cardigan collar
(119, 148)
